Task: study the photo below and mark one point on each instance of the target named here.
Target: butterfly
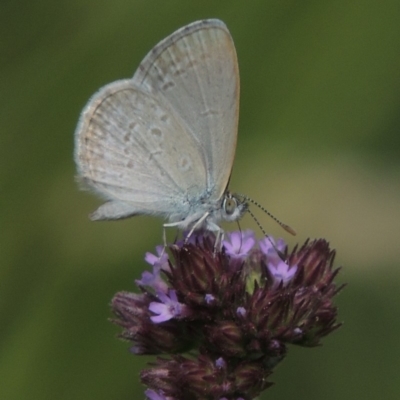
(163, 142)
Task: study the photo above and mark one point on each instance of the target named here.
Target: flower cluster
(235, 311)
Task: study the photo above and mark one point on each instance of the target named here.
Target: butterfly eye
(230, 205)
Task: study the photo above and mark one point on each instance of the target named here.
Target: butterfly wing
(134, 151)
(196, 71)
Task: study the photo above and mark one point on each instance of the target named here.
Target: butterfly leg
(219, 235)
(197, 225)
(187, 222)
(164, 241)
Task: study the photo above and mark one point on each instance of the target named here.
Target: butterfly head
(233, 207)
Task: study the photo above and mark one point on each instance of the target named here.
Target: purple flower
(220, 363)
(241, 311)
(159, 260)
(153, 395)
(168, 309)
(209, 298)
(281, 272)
(153, 280)
(239, 244)
(221, 321)
(279, 269)
(267, 246)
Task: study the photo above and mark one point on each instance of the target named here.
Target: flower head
(237, 309)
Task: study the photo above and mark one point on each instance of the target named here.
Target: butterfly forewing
(196, 71)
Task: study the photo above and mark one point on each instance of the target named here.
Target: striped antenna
(287, 228)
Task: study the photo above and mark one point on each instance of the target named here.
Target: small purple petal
(153, 395)
(160, 259)
(281, 272)
(137, 349)
(239, 244)
(268, 249)
(241, 311)
(298, 333)
(168, 308)
(163, 311)
(153, 280)
(209, 298)
(220, 363)
(168, 298)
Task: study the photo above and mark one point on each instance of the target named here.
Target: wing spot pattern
(191, 63)
(153, 154)
(157, 134)
(127, 151)
(185, 163)
(168, 85)
(179, 71)
(132, 125)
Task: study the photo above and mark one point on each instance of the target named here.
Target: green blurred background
(318, 146)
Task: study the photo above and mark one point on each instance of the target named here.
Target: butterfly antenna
(287, 228)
